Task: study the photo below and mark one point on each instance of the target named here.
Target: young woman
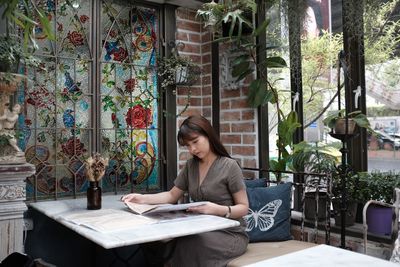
(211, 175)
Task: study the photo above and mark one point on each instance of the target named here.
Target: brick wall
(197, 46)
(238, 124)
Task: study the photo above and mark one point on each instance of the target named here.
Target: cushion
(269, 213)
(262, 182)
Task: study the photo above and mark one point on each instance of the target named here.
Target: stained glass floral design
(57, 128)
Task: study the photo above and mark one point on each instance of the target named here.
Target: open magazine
(143, 209)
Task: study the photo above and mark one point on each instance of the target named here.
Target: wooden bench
(265, 250)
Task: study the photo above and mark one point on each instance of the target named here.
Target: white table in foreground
(60, 209)
(326, 256)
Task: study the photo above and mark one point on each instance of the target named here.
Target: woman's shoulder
(228, 162)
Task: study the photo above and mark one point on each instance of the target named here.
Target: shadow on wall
(62, 247)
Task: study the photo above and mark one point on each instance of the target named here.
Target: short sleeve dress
(215, 248)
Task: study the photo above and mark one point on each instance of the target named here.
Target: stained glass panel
(57, 126)
(129, 114)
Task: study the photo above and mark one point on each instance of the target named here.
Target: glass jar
(93, 196)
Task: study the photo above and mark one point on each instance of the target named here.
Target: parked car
(382, 140)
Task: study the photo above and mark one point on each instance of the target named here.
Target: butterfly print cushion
(269, 213)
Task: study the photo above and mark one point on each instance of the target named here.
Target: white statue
(7, 122)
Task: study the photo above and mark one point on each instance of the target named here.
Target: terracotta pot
(340, 126)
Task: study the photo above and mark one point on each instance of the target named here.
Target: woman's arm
(170, 196)
(238, 210)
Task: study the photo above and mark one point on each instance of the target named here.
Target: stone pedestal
(12, 206)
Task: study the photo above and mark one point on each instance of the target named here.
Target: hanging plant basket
(340, 126)
(246, 29)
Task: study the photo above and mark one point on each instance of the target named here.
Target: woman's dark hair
(198, 125)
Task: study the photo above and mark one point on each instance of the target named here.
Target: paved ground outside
(384, 160)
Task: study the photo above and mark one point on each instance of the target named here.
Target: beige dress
(216, 248)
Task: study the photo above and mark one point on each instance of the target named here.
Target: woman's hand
(209, 208)
(135, 198)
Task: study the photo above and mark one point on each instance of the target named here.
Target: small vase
(93, 196)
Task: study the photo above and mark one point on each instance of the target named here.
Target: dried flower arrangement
(95, 167)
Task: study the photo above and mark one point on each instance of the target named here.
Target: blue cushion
(262, 182)
(269, 213)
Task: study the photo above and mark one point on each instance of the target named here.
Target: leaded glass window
(96, 91)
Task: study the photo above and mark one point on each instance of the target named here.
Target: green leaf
(261, 28)
(275, 62)
(240, 68)
(257, 93)
(240, 59)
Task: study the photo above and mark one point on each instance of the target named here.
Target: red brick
(206, 59)
(206, 112)
(182, 36)
(231, 139)
(243, 150)
(230, 115)
(205, 48)
(249, 163)
(249, 139)
(206, 79)
(186, 13)
(225, 127)
(245, 90)
(195, 59)
(192, 111)
(206, 101)
(206, 90)
(184, 90)
(206, 69)
(247, 115)
(206, 37)
(195, 38)
(191, 48)
(230, 93)
(225, 104)
(187, 25)
(243, 127)
(239, 103)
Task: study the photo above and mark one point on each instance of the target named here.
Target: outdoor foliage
(378, 185)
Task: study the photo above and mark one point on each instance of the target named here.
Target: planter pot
(350, 213)
(182, 75)
(379, 220)
(340, 126)
(310, 206)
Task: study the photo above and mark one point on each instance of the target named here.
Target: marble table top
(128, 231)
(326, 256)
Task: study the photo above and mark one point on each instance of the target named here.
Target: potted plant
(352, 197)
(176, 70)
(14, 48)
(229, 17)
(379, 186)
(336, 120)
(314, 158)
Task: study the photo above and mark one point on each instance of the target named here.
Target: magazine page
(147, 208)
(176, 207)
(108, 220)
(142, 208)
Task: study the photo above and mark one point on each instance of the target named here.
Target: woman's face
(199, 146)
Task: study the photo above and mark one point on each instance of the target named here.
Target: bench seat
(265, 250)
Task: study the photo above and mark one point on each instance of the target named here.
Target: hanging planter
(229, 18)
(340, 126)
(176, 70)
